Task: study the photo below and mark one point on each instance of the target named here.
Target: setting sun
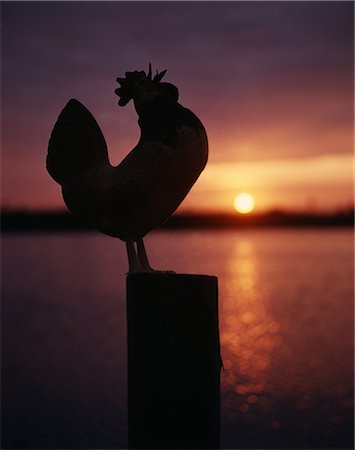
(244, 203)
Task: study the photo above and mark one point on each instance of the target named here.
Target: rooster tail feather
(76, 144)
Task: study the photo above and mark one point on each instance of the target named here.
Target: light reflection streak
(249, 333)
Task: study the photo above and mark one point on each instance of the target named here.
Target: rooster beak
(123, 101)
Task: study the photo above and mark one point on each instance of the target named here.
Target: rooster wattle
(143, 191)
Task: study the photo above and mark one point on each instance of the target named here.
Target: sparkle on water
(286, 330)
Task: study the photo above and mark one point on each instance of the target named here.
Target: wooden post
(173, 361)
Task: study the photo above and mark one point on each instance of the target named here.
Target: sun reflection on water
(285, 329)
(249, 333)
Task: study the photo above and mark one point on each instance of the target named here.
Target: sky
(272, 83)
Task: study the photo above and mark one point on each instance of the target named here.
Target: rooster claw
(151, 271)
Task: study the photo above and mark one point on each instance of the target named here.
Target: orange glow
(250, 343)
(317, 184)
(244, 203)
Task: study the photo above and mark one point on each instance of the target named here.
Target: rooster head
(142, 88)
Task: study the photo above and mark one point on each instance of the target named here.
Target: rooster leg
(133, 261)
(142, 256)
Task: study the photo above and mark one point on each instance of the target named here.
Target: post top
(169, 274)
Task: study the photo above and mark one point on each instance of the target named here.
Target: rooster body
(143, 191)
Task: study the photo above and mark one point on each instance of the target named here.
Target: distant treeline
(64, 221)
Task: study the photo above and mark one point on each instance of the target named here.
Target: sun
(244, 203)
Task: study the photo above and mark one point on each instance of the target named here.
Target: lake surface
(286, 328)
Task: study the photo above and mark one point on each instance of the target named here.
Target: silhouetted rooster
(143, 191)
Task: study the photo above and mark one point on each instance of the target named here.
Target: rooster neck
(160, 118)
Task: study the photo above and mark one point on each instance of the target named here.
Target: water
(286, 326)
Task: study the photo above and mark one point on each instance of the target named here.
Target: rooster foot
(152, 271)
(138, 260)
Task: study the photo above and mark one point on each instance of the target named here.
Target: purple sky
(271, 81)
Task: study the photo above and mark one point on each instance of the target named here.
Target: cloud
(323, 180)
(332, 169)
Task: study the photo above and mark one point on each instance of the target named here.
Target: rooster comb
(125, 92)
(157, 77)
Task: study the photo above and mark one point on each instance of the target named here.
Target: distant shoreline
(12, 221)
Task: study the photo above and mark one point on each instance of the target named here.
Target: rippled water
(286, 327)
